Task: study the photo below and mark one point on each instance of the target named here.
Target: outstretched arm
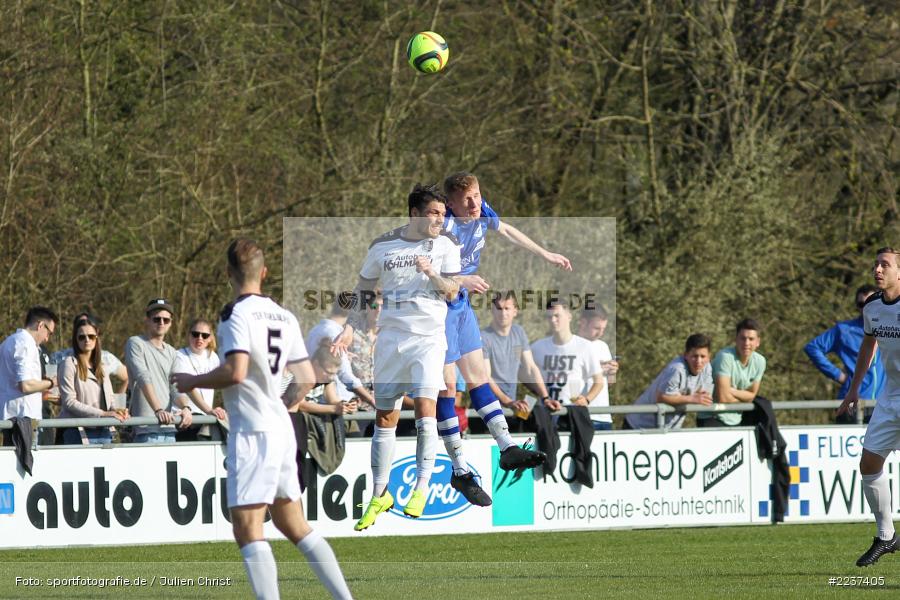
(363, 294)
(523, 241)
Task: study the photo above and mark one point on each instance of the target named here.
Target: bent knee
(870, 463)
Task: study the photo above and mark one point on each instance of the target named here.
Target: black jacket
(771, 446)
(582, 436)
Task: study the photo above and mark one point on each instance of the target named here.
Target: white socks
(878, 494)
(499, 429)
(324, 564)
(261, 569)
(383, 441)
(454, 447)
(426, 442)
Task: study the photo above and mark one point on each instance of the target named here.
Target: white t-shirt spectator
(601, 348)
(19, 361)
(196, 364)
(569, 369)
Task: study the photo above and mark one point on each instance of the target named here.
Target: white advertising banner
(825, 484)
(136, 494)
(122, 495)
(679, 478)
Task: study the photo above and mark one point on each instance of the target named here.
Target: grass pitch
(786, 561)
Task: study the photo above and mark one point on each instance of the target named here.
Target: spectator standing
(568, 362)
(85, 389)
(687, 379)
(591, 326)
(844, 340)
(149, 360)
(737, 373)
(112, 366)
(197, 358)
(21, 382)
(508, 357)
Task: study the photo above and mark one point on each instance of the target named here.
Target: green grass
(787, 561)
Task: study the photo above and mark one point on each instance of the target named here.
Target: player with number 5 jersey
(258, 341)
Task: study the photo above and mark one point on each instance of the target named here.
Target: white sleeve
(234, 335)
(452, 263)
(182, 364)
(297, 350)
(111, 361)
(602, 350)
(593, 360)
(371, 268)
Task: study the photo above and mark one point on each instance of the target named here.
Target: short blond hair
(459, 182)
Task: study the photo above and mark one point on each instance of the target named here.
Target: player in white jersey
(414, 265)
(881, 324)
(258, 339)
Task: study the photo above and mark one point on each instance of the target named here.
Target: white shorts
(406, 363)
(883, 433)
(261, 466)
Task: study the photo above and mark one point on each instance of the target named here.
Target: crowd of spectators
(564, 368)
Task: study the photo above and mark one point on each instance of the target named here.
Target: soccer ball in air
(427, 52)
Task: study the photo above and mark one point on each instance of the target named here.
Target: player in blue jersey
(469, 218)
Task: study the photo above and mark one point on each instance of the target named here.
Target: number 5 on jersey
(274, 350)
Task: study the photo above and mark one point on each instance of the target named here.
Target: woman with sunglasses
(112, 366)
(197, 358)
(84, 387)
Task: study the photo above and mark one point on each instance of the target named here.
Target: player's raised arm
(523, 241)
(445, 285)
(362, 297)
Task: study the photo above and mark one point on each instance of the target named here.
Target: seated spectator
(844, 340)
(149, 360)
(591, 326)
(85, 389)
(329, 328)
(112, 366)
(197, 358)
(508, 358)
(21, 382)
(737, 372)
(568, 363)
(323, 398)
(687, 379)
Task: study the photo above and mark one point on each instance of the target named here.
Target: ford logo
(443, 501)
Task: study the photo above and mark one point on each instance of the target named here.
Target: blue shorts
(461, 327)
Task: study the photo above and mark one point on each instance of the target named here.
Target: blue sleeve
(490, 216)
(820, 346)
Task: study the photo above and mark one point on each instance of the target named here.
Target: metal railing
(660, 410)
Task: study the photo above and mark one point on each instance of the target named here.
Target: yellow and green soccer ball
(427, 52)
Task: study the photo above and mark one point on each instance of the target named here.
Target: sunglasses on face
(82, 337)
(162, 320)
(200, 334)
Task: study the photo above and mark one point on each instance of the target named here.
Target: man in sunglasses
(149, 360)
(844, 340)
(21, 383)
